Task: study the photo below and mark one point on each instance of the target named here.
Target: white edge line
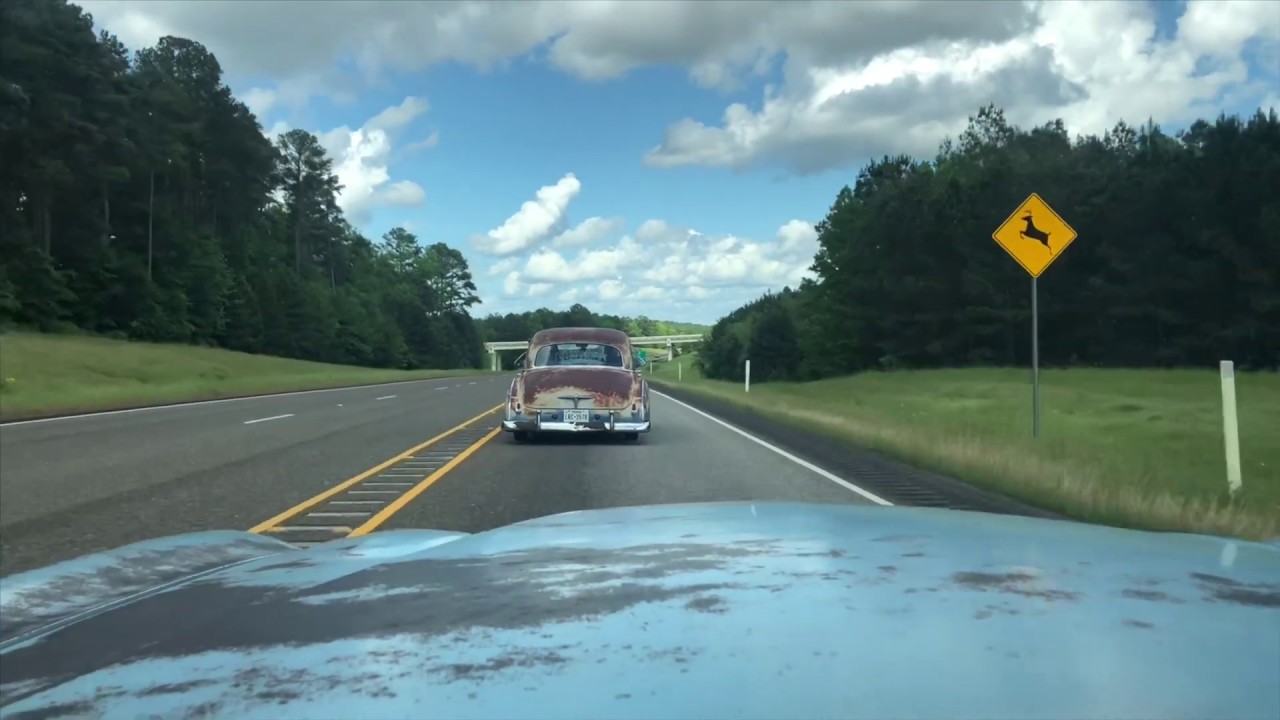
(273, 417)
(769, 446)
(385, 397)
(215, 402)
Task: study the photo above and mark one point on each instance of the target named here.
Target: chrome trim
(538, 426)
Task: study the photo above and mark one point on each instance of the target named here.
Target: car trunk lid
(579, 387)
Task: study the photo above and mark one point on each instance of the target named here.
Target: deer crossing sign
(1034, 235)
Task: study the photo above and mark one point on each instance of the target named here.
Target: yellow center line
(398, 504)
(298, 509)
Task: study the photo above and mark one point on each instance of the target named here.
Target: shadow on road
(581, 438)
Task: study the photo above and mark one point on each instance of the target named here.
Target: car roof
(603, 336)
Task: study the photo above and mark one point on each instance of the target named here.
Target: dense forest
(140, 199)
(520, 326)
(1177, 260)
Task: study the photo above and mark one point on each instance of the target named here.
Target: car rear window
(577, 354)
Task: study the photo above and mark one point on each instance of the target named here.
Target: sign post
(1034, 235)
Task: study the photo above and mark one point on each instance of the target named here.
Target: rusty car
(578, 379)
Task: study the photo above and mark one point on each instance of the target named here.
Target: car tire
(520, 436)
(631, 437)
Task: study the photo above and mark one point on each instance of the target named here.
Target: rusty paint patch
(176, 688)
(134, 571)
(899, 538)
(709, 604)
(1014, 583)
(481, 671)
(1149, 595)
(1234, 591)
(514, 590)
(74, 709)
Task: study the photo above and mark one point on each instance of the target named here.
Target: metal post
(1035, 362)
(1230, 427)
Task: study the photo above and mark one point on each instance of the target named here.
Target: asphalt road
(78, 485)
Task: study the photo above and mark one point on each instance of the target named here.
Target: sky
(671, 158)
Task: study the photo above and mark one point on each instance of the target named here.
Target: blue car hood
(688, 611)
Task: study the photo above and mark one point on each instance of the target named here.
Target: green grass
(1134, 448)
(53, 374)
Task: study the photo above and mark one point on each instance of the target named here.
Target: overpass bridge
(670, 341)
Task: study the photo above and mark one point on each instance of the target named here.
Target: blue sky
(670, 159)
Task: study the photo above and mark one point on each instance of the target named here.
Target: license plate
(577, 415)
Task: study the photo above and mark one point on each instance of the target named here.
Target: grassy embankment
(1133, 448)
(54, 374)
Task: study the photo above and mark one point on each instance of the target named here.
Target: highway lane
(76, 485)
(347, 462)
(685, 458)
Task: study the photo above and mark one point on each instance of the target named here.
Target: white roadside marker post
(680, 371)
(748, 379)
(1230, 425)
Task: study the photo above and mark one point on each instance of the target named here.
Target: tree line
(522, 326)
(140, 199)
(1177, 260)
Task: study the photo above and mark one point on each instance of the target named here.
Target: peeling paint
(569, 618)
(1261, 594)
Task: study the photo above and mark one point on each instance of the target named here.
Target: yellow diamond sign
(1034, 235)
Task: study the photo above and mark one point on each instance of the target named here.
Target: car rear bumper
(537, 425)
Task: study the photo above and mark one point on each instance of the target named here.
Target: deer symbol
(1034, 233)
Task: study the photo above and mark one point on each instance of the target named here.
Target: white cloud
(504, 266)
(425, 144)
(259, 101)
(361, 160)
(651, 292)
(397, 117)
(798, 238)
(675, 273)
(535, 221)
(847, 80)
(838, 111)
(511, 285)
(655, 231)
(610, 290)
(548, 265)
(675, 256)
(588, 231)
(573, 295)
(404, 193)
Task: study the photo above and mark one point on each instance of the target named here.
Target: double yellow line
(399, 503)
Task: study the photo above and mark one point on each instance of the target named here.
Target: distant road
(76, 485)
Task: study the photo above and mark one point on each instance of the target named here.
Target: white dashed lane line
(265, 419)
(385, 397)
